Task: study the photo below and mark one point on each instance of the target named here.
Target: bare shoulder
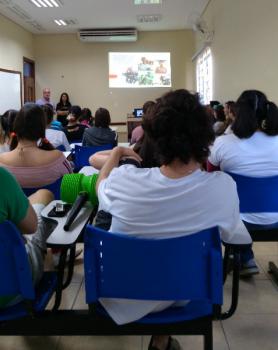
(7, 158)
(51, 156)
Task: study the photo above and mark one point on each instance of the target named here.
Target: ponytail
(46, 145)
(269, 125)
(14, 141)
(245, 123)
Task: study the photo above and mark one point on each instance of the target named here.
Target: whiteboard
(10, 90)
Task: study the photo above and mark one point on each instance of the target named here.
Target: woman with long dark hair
(32, 159)
(63, 107)
(251, 150)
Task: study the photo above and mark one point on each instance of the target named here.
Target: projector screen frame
(13, 73)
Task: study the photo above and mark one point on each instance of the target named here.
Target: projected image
(139, 69)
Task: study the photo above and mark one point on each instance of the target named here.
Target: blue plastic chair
(16, 278)
(184, 268)
(83, 153)
(53, 187)
(259, 195)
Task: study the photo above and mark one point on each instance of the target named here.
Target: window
(204, 76)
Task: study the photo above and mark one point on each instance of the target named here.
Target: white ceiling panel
(171, 14)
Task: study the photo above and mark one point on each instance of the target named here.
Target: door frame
(32, 62)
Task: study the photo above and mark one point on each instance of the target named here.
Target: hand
(125, 152)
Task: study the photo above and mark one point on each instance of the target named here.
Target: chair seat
(192, 310)
(44, 292)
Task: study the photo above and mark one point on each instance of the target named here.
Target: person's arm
(84, 139)
(15, 206)
(98, 159)
(113, 160)
(66, 143)
(116, 139)
(29, 223)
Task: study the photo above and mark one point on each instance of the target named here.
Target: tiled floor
(254, 326)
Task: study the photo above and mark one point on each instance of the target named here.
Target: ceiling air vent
(19, 12)
(5, 2)
(108, 35)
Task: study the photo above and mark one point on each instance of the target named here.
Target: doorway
(29, 80)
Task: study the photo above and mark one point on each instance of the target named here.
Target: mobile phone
(59, 210)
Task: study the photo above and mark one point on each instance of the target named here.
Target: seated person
(230, 115)
(55, 137)
(6, 127)
(63, 108)
(251, 150)
(220, 120)
(86, 117)
(33, 165)
(74, 130)
(100, 134)
(25, 214)
(137, 133)
(181, 133)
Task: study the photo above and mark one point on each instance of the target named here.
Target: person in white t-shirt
(172, 200)
(251, 150)
(57, 138)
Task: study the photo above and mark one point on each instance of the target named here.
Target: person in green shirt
(25, 214)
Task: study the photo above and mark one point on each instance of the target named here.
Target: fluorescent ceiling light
(35, 3)
(48, 3)
(147, 2)
(54, 3)
(42, 3)
(60, 22)
(45, 3)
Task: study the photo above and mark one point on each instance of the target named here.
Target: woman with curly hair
(175, 199)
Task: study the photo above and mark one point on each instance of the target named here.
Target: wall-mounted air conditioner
(108, 34)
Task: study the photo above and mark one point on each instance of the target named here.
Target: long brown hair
(30, 124)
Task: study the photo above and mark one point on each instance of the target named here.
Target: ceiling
(171, 14)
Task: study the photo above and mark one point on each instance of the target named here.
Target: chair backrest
(257, 194)
(15, 272)
(121, 266)
(83, 153)
(53, 187)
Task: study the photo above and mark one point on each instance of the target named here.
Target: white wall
(245, 52)
(81, 69)
(15, 42)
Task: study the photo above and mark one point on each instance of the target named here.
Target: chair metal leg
(70, 267)
(235, 288)
(61, 268)
(208, 339)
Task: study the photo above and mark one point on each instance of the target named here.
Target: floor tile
(265, 248)
(80, 302)
(28, 343)
(68, 297)
(78, 272)
(196, 342)
(252, 332)
(100, 343)
(255, 296)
